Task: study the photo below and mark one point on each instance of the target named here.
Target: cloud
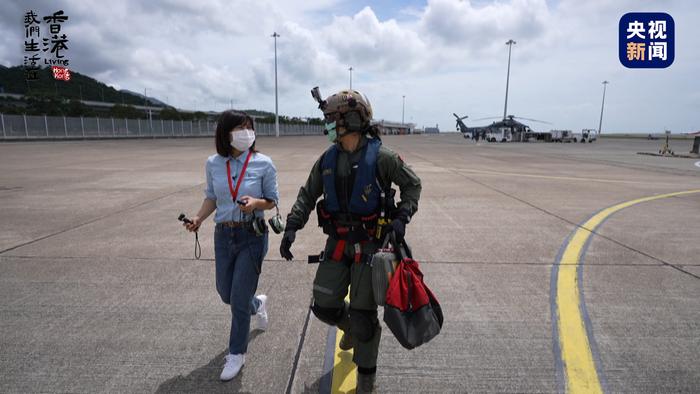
(301, 62)
(445, 56)
(320, 56)
(460, 24)
(365, 41)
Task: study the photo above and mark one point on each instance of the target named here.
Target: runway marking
(555, 177)
(344, 371)
(295, 365)
(574, 340)
(438, 207)
(98, 218)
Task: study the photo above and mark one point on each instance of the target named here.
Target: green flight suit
(333, 277)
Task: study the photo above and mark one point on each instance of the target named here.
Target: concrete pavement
(99, 291)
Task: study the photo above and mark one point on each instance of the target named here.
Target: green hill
(47, 96)
(12, 80)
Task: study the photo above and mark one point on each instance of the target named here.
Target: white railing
(31, 126)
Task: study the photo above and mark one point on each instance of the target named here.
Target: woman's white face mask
(242, 140)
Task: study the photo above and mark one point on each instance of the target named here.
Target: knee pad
(331, 316)
(363, 324)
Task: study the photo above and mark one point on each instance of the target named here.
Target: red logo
(61, 73)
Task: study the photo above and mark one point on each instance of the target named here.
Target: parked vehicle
(563, 136)
(500, 134)
(588, 135)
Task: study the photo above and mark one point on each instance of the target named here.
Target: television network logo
(647, 40)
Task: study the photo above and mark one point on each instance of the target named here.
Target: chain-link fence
(29, 126)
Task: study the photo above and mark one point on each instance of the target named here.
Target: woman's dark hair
(228, 120)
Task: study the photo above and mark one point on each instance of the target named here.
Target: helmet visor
(351, 120)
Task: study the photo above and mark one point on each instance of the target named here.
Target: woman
(241, 184)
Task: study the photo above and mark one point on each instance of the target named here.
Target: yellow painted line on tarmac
(577, 358)
(344, 370)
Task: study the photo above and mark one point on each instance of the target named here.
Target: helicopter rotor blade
(490, 117)
(533, 120)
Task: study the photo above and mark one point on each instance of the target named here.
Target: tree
(76, 108)
(126, 111)
(170, 113)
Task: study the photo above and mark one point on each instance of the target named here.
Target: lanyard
(234, 193)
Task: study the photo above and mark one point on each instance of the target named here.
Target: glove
(398, 225)
(286, 245)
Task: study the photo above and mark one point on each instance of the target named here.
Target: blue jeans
(239, 254)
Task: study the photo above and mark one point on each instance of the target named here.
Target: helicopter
(506, 130)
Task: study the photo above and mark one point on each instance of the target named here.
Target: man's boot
(347, 342)
(365, 383)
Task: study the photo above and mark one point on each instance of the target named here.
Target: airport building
(432, 130)
(389, 127)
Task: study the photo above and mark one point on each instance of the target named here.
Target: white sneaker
(234, 363)
(262, 312)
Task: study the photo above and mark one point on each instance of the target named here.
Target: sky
(444, 56)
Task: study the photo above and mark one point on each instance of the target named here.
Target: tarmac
(99, 290)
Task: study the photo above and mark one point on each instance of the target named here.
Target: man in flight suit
(354, 176)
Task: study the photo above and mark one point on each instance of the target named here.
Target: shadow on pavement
(315, 387)
(206, 378)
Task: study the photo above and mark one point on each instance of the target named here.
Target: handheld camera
(184, 219)
(197, 246)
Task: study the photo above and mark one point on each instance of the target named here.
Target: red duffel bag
(412, 312)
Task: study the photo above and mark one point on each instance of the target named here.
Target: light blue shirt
(259, 181)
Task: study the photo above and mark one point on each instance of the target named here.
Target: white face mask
(242, 139)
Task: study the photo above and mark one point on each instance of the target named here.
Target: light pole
(600, 124)
(350, 69)
(145, 106)
(403, 107)
(505, 108)
(277, 116)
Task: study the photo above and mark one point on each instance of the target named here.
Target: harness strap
(358, 253)
(369, 218)
(339, 248)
